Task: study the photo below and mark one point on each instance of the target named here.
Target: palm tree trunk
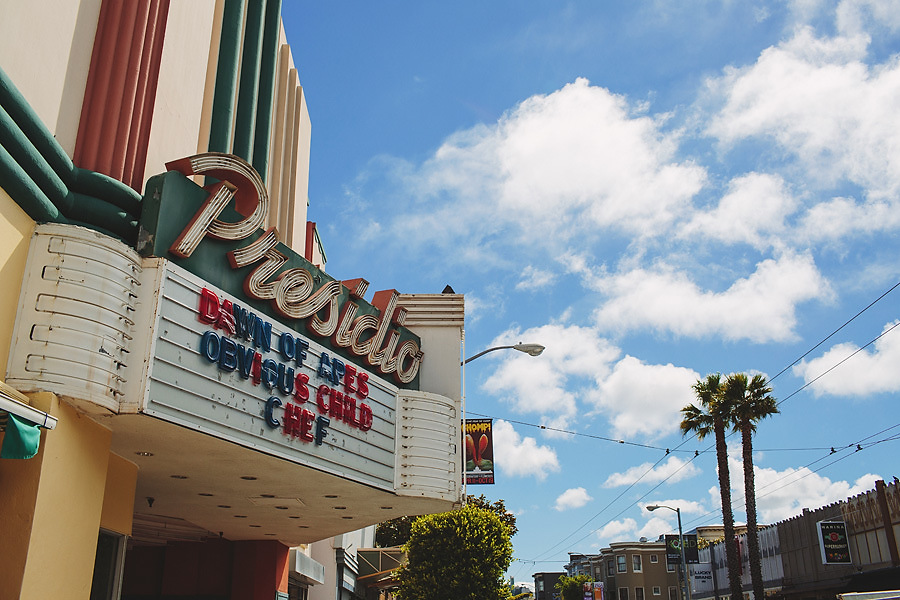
(750, 503)
(731, 552)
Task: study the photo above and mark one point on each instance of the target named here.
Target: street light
(685, 584)
(530, 349)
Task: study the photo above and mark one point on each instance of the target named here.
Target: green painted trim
(104, 187)
(99, 213)
(31, 125)
(31, 160)
(226, 77)
(245, 121)
(25, 192)
(41, 178)
(266, 101)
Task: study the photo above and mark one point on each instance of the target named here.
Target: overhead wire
(832, 450)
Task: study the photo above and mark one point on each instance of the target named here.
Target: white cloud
(853, 16)
(572, 498)
(533, 278)
(818, 101)
(615, 531)
(753, 211)
(574, 358)
(643, 399)
(521, 457)
(784, 494)
(760, 308)
(577, 161)
(673, 470)
(867, 372)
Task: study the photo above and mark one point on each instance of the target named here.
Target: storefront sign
(833, 543)
(273, 278)
(479, 451)
(673, 549)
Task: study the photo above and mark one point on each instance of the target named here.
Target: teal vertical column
(226, 77)
(266, 98)
(245, 121)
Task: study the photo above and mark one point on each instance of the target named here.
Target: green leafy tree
(396, 531)
(393, 533)
(457, 555)
(498, 508)
(750, 403)
(572, 588)
(712, 414)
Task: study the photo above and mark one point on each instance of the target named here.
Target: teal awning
(22, 424)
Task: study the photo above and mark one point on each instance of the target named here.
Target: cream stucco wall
(50, 73)
(15, 235)
(177, 114)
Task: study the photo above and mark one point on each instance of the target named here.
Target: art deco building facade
(195, 394)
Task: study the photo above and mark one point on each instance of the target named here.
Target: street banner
(593, 590)
(479, 451)
(833, 543)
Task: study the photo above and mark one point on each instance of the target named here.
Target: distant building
(545, 586)
(638, 571)
(862, 557)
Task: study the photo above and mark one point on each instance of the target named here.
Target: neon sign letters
(340, 398)
(292, 292)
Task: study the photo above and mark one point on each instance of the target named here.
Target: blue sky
(654, 191)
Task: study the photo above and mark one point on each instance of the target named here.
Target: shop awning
(22, 424)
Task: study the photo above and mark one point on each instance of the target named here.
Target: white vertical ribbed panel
(73, 330)
(428, 446)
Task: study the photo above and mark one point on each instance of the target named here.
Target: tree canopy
(396, 531)
(572, 588)
(457, 555)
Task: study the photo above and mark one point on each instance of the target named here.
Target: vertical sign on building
(479, 451)
(833, 543)
(673, 549)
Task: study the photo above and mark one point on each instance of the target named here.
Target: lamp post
(530, 349)
(685, 584)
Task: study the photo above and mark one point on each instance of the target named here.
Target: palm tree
(750, 402)
(712, 416)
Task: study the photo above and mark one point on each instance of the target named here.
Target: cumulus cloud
(577, 161)
(615, 531)
(575, 357)
(760, 308)
(784, 494)
(521, 457)
(818, 101)
(533, 278)
(643, 399)
(572, 498)
(753, 211)
(673, 470)
(864, 373)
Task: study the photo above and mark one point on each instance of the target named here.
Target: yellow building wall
(118, 496)
(73, 461)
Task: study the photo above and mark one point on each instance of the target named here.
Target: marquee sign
(245, 260)
(219, 367)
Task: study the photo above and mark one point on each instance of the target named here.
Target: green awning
(22, 424)
(22, 438)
